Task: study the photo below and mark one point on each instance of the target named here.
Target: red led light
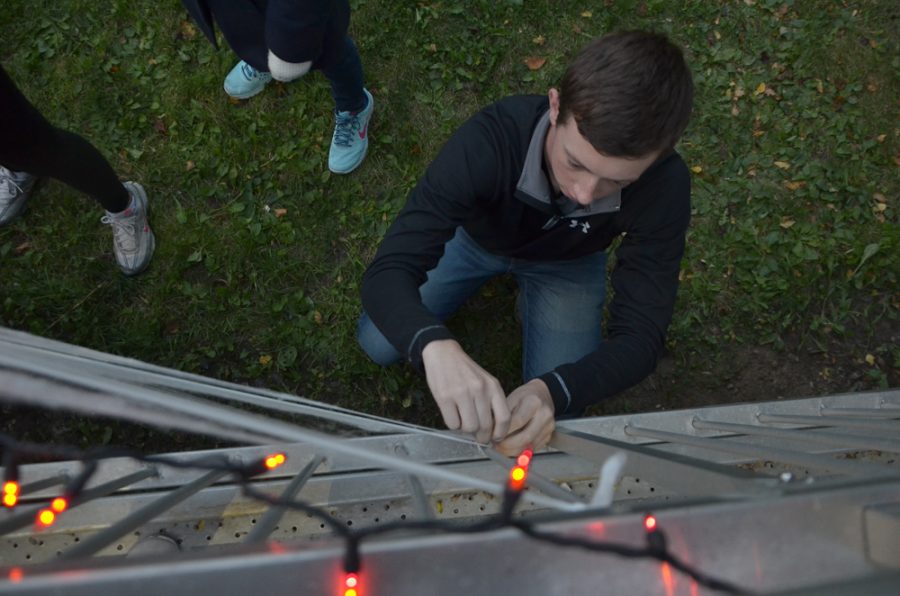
(525, 458)
(520, 471)
(10, 493)
(275, 460)
(59, 504)
(649, 523)
(15, 575)
(46, 517)
(351, 585)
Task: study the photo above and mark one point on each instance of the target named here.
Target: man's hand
(532, 421)
(470, 399)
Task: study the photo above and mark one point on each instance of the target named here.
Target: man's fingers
(450, 414)
(502, 416)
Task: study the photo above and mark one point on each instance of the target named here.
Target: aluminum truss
(797, 495)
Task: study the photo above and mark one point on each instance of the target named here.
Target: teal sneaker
(244, 81)
(351, 138)
(15, 188)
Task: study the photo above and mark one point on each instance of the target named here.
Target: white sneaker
(133, 240)
(15, 188)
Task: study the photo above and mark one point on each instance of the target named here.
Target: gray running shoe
(133, 240)
(15, 188)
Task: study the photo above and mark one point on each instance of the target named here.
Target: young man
(285, 39)
(32, 148)
(539, 187)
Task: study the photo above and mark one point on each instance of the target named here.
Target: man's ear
(553, 95)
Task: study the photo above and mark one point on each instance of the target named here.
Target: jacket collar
(535, 189)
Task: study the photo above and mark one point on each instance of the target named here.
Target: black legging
(28, 143)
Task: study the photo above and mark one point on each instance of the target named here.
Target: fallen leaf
(870, 359)
(187, 30)
(22, 248)
(696, 169)
(791, 185)
(265, 360)
(881, 138)
(760, 89)
(317, 317)
(880, 207)
(758, 133)
(782, 165)
(189, 165)
(738, 92)
(587, 14)
(535, 62)
(280, 212)
(879, 197)
(432, 48)
(787, 222)
(735, 110)
(539, 40)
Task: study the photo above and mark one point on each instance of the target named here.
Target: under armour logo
(585, 226)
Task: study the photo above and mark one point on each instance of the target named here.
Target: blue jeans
(560, 302)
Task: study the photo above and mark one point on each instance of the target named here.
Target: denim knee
(374, 343)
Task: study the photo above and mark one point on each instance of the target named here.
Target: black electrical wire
(242, 473)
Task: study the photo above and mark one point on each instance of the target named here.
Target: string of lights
(244, 472)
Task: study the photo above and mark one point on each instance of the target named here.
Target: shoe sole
(245, 95)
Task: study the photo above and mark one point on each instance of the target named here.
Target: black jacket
(295, 30)
(483, 180)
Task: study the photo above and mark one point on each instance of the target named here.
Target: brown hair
(630, 94)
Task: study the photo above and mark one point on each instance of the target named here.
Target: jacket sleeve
(644, 282)
(463, 172)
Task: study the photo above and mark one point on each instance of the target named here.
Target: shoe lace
(249, 72)
(123, 231)
(346, 125)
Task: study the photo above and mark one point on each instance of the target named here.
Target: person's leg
(561, 306)
(346, 79)
(33, 145)
(243, 25)
(353, 110)
(462, 270)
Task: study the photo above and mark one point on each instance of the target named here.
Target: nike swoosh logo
(362, 133)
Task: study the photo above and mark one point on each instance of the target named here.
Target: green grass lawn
(793, 248)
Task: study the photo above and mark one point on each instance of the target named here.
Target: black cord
(242, 473)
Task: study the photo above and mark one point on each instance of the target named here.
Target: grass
(793, 244)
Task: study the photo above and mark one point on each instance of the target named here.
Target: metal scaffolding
(784, 496)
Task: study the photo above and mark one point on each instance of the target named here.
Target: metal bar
(854, 468)
(39, 485)
(25, 517)
(415, 486)
(270, 519)
(812, 436)
(684, 475)
(141, 516)
(889, 413)
(137, 371)
(882, 425)
(535, 480)
(183, 412)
